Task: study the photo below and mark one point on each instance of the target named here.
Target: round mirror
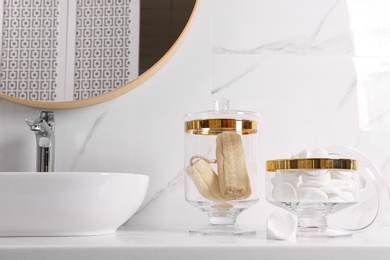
(67, 54)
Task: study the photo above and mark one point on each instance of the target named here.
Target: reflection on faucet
(43, 126)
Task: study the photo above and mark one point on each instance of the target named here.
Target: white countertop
(175, 243)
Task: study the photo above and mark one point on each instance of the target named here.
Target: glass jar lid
(311, 164)
(222, 118)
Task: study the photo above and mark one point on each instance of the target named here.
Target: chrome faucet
(43, 126)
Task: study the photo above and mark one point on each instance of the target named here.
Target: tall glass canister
(222, 166)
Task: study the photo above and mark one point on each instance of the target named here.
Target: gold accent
(311, 164)
(218, 125)
(116, 92)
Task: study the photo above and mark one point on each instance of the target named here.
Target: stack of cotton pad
(320, 185)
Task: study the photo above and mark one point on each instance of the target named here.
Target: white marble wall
(317, 71)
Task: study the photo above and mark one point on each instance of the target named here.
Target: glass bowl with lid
(222, 166)
(319, 185)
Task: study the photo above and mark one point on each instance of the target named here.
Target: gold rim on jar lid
(311, 164)
(218, 125)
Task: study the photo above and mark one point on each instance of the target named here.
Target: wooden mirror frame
(114, 93)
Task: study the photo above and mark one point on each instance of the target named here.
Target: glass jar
(317, 184)
(222, 166)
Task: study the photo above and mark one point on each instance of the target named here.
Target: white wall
(312, 69)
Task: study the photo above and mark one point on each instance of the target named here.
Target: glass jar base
(321, 232)
(222, 230)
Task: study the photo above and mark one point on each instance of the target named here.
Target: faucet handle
(47, 116)
(44, 142)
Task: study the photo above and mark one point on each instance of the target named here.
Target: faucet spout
(43, 126)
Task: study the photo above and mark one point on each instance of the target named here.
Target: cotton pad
(331, 190)
(318, 181)
(318, 153)
(341, 174)
(281, 225)
(284, 191)
(308, 194)
(302, 154)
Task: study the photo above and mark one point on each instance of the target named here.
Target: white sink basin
(68, 203)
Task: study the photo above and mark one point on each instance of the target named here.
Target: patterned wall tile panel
(102, 49)
(34, 49)
(29, 49)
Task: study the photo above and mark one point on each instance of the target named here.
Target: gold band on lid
(218, 125)
(311, 164)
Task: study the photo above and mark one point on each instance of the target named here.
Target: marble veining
(83, 147)
(235, 78)
(173, 184)
(300, 44)
(348, 94)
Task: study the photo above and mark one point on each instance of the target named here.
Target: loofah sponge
(205, 180)
(233, 176)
